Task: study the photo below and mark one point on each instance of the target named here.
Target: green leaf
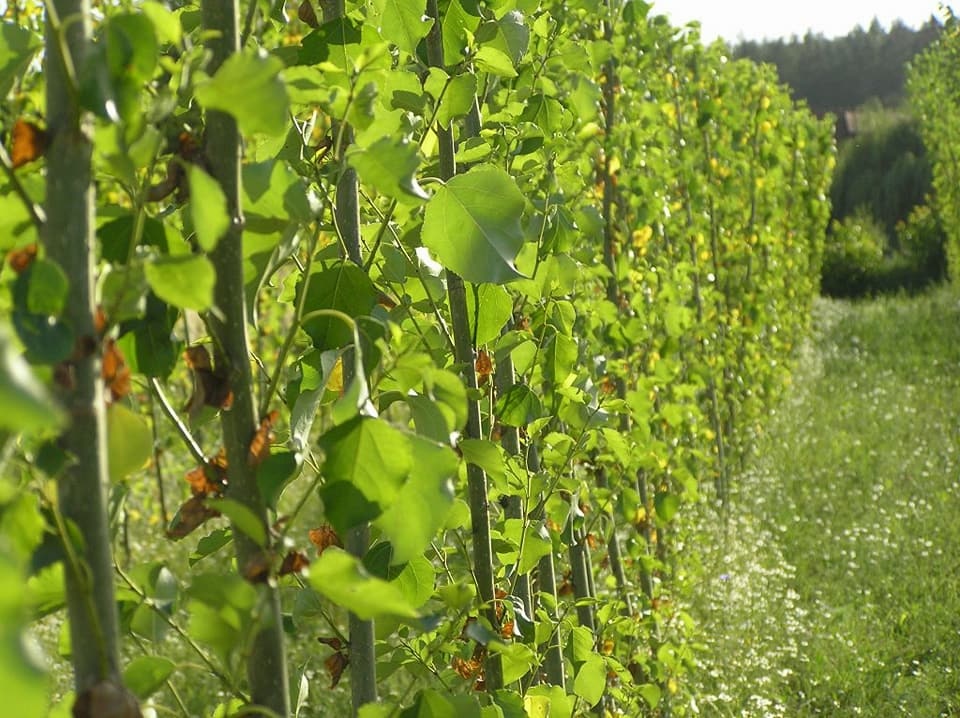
(457, 100)
(17, 48)
(249, 87)
(274, 474)
(148, 343)
(390, 167)
(47, 286)
(129, 441)
(405, 22)
(26, 405)
(536, 545)
(489, 308)
(165, 23)
(185, 281)
(23, 681)
(242, 517)
(472, 225)
(666, 505)
(369, 454)
(210, 544)
(485, 454)
(559, 359)
(220, 610)
(273, 194)
(416, 581)
(651, 694)
(131, 48)
(208, 208)
(496, 62)
(145, 675)
(341, 578)
(423, 503)
(560, 704)
(516, 658)
(591, 680)
(344, 287)
(457, 26)
(518, 406)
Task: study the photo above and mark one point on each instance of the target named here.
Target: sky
(757, 20)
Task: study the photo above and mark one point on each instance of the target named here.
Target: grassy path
(836, 589)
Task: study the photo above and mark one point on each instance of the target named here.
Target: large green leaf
(389, 166)
(423, 502)
(472, 224)
(208, 208)
(129, 441)
(344, 287)
(403, 22)
(185, 281)
(369, 454)
(145, 675)
(26, 405)
(489, 308)
(591, 680)
(17, 48)
(249, 87)
(342, 578)
(22, 680)
(273, 195)
(47, 287)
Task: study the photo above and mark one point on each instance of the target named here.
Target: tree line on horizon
(837, 74)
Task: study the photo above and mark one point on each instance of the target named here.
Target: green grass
(835, 589)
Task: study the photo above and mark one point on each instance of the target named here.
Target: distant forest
(843, 73)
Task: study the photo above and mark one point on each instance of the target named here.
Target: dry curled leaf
(307, 15)
(260, 444)
(114, 370)
(293, 562)
(188, 151)
(466, 669)
(20, 258)
(332, 641)
(211, 387)
(484, 367)
(193, 513)
(209, 479)
(324, 537)
(28, 142)
(336, 664)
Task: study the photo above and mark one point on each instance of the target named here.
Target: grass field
(835, 588)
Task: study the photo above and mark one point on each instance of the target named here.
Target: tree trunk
(266, 667)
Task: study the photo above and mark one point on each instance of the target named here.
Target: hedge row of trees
(464, 304)
(843, 73)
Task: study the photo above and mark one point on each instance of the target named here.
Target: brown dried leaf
(193, 513)
(260, 444)
(336, 664)
(114, 370)
(466, 669)
(28, 143)
(21, 258)
(484, 367)
(324, 537)
(211, 387)
(293, 562)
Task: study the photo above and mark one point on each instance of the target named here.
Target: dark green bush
(853, 256)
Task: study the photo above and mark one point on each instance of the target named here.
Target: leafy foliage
(586, 246)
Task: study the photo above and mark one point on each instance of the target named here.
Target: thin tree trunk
(476, 478)
(68, 237)
(266, 667)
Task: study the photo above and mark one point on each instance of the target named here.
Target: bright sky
(756, 19)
